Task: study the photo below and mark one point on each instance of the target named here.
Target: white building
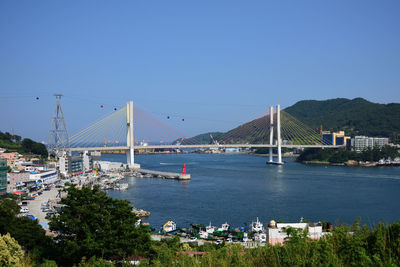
(276, 233)
(46, 177)
(110, 166)
(360, 143)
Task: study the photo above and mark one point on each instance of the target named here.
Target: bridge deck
(200, 146)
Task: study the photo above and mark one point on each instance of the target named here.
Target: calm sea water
(238, 188)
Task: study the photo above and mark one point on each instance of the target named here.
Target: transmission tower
(58, 143)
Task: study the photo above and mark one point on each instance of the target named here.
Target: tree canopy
(14, 143)
(90, 223)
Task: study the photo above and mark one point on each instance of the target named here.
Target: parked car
(24, 210)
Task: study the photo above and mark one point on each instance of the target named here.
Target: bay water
(238, 188)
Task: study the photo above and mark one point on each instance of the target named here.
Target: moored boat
(257, 226)
(169, 226)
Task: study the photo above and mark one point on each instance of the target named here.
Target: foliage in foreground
(346, 246)
(91, 223)
(11, 253)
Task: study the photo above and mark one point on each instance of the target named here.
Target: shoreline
(350, 163)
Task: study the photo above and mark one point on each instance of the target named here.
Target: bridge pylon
(278, 141)
(130, 153)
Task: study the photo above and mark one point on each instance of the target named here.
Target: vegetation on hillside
(356, 117)
(14, 143)
(333, 155)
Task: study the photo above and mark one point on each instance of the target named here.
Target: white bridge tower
(130, 154)
(278, 141)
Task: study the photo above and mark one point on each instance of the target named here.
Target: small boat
(203, 235)
(120, 186)
(210, 229)
(257, 226)
(169, 226)
(224, 227)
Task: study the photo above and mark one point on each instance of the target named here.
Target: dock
(143, 173)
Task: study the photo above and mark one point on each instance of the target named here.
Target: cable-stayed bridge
(117, 131)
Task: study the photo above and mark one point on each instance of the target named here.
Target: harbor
(254, 235)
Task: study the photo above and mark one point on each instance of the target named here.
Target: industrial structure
(58, 143)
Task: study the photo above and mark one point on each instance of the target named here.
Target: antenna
(58, 136)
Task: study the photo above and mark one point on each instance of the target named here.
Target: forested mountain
(355, 116)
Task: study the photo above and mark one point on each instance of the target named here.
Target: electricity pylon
(58, 143)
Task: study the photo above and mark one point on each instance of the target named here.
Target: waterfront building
(79, 163)
(46, 177)
(3, 176)
(360, 143)
(71, 164)
(277, 234)
(334, 138)
(109, 165)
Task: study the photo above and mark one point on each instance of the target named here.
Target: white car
(24, 210)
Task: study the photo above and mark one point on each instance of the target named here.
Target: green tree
(27, 232)
(11, 253)
(91, 223)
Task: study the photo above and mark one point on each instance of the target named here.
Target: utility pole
(58, 143)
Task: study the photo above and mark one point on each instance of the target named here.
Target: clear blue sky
(215, 63)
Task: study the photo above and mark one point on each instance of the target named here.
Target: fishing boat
(257, 226)
(120, 186)
(224, 227)
(210, 229)
(169, 226)
(203, 235)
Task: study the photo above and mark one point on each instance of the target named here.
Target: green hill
(200, 139)
(14, 143)
(355, 116)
